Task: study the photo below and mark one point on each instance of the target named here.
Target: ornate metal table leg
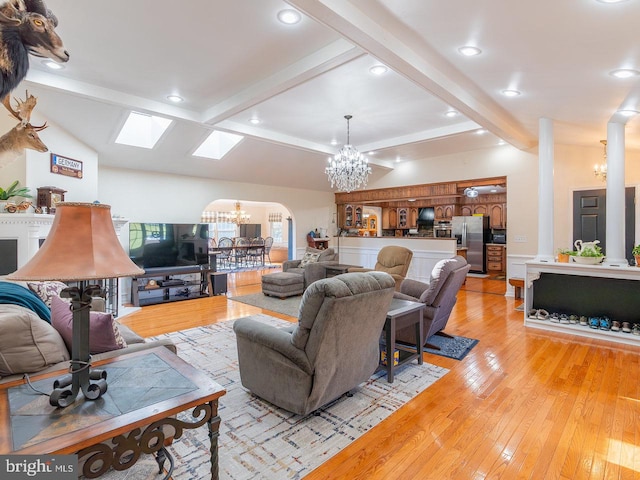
(214, 432)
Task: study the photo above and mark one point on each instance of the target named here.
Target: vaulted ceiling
(233, 61)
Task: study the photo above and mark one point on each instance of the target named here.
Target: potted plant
(589, 253)
(636, 254)
(564, 254)
(11, 192)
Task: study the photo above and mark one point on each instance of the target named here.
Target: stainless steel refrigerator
(472, 233)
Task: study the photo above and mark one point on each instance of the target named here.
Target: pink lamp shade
(82, 245)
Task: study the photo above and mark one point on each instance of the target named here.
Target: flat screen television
(168, 244)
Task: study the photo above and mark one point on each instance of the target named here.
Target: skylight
(217, 145)
(142, 130)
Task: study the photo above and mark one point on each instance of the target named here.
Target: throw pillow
(309, 258)
(27, 344)
(104, 334)
(47, 290)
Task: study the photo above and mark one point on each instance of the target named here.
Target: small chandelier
(349, 169)
(238, 216)
(600, 170)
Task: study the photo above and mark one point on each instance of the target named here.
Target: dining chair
(255, 253)
(225, 246)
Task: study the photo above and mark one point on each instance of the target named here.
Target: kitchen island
(427, 251)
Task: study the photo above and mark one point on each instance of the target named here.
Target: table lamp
(81, 246)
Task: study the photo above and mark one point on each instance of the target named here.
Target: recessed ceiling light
(378, 69)
(52, 65)
(511, 93)
(289, 16)
(627, 112)
(372, 152)
(398, 160)
(611, 1)
(334, 142)
(411, 199)
(175, 98)
(624, 73)
(469, 51)
(451, 114)
(254, 120)
(480, 131)
(502, 142)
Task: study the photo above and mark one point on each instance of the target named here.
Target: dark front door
(589, 218)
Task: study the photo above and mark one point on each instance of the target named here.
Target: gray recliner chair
(313, 271)
(439, 296)
(333, 348)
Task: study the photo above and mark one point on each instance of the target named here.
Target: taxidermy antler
(26, 26)
(23, 135)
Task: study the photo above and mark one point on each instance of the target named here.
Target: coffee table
(402, 313)
(146, 389)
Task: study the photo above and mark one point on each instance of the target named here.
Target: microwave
(499, 238)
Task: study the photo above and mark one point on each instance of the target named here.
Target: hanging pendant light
(349, 169)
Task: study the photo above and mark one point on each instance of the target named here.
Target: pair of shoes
(636, 329)
(594, 322)
(584, 320)
(573, 318)
(605, 323)
(564, 318)
(539, 314)
(615, 326)
(555, 317)
(626, 327)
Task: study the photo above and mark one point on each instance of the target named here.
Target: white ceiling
(232, 60)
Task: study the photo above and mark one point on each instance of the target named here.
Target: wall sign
(66, 166)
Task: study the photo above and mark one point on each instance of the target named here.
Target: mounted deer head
(26, 26)
(23, 135)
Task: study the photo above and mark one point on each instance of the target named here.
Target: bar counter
(427, 251)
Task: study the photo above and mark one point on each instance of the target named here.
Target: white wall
(33, 170)
(157, 197)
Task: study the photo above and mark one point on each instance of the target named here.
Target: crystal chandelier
(349, 169)
(600, 170)
(238, 216)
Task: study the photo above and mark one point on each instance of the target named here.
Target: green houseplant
(636, 254)
(564, 254)
(14, 191)
(589, 253)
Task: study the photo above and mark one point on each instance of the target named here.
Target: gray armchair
(392, 259)
(314, 271)
(439, 295)
(333, 348)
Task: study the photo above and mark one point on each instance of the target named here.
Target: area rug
(260, 441)
(456, 347)
(287, 306)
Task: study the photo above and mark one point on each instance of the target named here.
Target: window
(275, 227)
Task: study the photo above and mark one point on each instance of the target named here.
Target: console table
(136, 415)
(590, 290)
(169, 287)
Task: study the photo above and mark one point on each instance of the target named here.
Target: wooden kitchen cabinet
(496, 259)
(497, 215)
(352, 216)
(413, 218)
(466, 210)
(480, 209)
(445, 212)
(403, 218)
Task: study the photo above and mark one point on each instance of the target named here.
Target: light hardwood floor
(522, 404)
